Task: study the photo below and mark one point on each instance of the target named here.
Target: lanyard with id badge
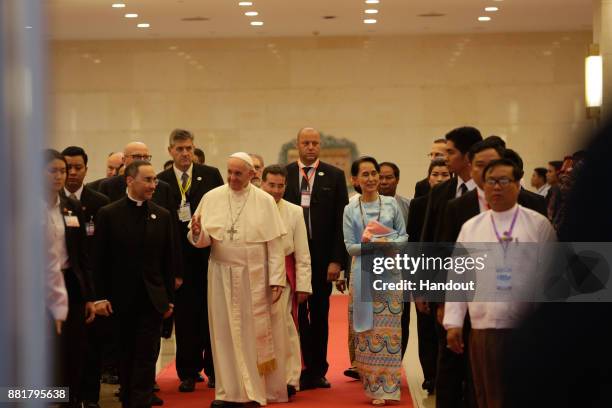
(306, 194)
(72, 221)
(503, 274)
(184, 211)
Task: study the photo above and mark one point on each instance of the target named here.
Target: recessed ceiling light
(491, 8)
(257, 23)
(143, 25)
(372, 1)
(371, 11)
(118, 5)
(369, 21)
(484, 18)
(251, 13)
(28, 27)
(131, 15)
(245, 3)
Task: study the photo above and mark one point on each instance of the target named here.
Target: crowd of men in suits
(131, 263)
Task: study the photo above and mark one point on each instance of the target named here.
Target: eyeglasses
(502, 181)
(437, 155)
(143, 157)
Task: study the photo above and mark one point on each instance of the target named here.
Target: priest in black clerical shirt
(134, 251)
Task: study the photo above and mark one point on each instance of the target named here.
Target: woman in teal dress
(377, 323)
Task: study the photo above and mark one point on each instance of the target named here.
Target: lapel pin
(321, 173)
(153, 216)
(199, 178)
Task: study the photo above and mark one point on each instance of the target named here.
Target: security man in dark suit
(426, 321)
(320, 189)
(461, 209)
(100, 332)
(452, 381)
(134, 262)
(189, 182)
(65, 220)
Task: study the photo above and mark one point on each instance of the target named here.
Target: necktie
(463, 189)
(73, 196)
(184, 179)
(306, 187)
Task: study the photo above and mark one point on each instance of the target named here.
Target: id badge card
(72, 221)
(503, 278)
(184, 212)
(305, 203)
(90, 228)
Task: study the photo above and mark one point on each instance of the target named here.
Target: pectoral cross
(231, 232)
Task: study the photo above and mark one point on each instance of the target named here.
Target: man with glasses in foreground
(506, 222)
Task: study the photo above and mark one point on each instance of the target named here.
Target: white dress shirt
(530, 226)
(470, 184)
(76, 193)
(57, 231)
(56, 298)
(543, 191)
(311, 180)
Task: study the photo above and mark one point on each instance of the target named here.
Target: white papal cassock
(244, 262)
(295, 244)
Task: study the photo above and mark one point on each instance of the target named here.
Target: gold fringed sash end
(266, 367)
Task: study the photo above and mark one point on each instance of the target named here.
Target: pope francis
(246, 275)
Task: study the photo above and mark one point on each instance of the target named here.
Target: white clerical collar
(504, 215)
(313, 165)
(138, 202)
(77, 193)
(179, 173)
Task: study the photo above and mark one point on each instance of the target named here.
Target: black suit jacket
(115, 189)
(203, 179)
(416, 217)
(134, 256)
(77, 248)
(461, 209)
(438, 197)
(95, 185)
(329, 197)
(421, 188)
(91, 202)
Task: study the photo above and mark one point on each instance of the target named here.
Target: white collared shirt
(76, 193)
(311, 180)
(57, 234)
(530, 226)
(470, 184)
(179, 173)
(482, 201)
(543, 191)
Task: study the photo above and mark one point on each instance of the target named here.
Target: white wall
(390, 95)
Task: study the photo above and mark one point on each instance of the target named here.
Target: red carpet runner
(344, 392)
